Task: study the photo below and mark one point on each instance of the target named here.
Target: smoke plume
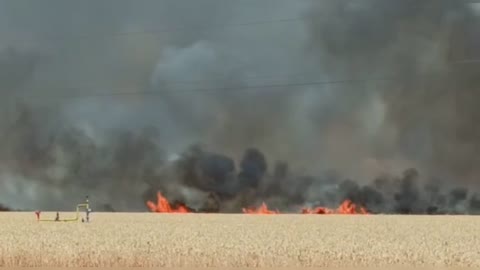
(399, 135)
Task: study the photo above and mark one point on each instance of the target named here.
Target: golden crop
(201, 240)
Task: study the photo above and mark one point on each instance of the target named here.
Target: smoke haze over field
(207, 137)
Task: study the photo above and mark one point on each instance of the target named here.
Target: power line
(225, 79)
(296, 86)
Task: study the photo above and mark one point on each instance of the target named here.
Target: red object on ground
(38, 214)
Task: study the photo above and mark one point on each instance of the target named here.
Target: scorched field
(172, 240)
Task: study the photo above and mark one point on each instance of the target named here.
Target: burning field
(347, 207)
(339, 133)
(221, 240)
(254, 190)
(175, 235)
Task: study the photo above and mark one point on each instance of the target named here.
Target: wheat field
(213, 240)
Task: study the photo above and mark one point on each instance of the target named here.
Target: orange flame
(346, 208)
(262, 210)
(163, 206)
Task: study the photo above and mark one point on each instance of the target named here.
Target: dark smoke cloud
(224, 150)
(229, 188)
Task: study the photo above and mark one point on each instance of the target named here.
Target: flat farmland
(215, 240)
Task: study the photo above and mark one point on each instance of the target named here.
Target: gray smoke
(430, 107)
(290, 146)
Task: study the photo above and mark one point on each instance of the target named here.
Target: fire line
(347, 207)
